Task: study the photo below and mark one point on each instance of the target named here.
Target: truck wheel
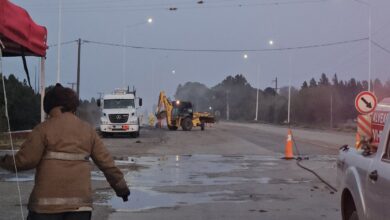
(186, 124)
(106, 135)
(172, 128)
(353, 216)
(348, 207)
(134, 134)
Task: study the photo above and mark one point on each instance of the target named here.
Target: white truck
(364, 174)
(119, 113)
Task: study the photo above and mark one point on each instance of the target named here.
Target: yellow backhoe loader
(180, 114)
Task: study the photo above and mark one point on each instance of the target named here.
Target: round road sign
(365, 102)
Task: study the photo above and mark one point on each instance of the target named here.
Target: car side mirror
(140, 102)
(98, 103)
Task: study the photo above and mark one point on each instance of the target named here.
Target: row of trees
(317, 102)
(24, 106)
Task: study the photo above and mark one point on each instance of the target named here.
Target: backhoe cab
(182, 115)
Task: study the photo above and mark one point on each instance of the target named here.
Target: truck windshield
(118, 103)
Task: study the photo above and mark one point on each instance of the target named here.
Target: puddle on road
(27, 176)
(144, 199)
(168, 181)
(11, 177)
(178, 175)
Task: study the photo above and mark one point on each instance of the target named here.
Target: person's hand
(124, 194)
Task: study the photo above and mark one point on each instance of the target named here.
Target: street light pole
(289, 89)
(257, 93)
(369, 47)
(369, 39)
(78, 67)
(257, 89)
(59, 40)
(271, 42)
(123, 56)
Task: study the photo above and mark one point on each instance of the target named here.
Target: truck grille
(118, 118)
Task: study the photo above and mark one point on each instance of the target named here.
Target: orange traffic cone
(288, 153)
(358, 141)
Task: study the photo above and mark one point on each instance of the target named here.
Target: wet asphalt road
(229, 171)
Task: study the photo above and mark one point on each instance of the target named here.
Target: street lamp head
(245, 56)
(150, 20)
(271, 42)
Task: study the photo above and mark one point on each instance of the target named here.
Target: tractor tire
(186, 124)
(172, 128)
(202, 126)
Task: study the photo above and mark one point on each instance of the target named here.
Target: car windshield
(118, 103)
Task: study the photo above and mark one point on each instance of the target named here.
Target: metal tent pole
(42, 87)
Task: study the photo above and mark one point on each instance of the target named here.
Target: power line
(227, 50)
(381, 47)
(62, 43)
(178, 6)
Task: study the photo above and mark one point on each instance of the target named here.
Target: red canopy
(19, 33)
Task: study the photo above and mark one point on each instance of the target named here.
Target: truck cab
(119, 113)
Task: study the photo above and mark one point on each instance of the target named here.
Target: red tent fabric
(19, 33)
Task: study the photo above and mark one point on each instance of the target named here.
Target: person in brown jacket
(59, 149)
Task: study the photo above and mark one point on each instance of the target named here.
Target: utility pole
(276, 84)
(78, 67)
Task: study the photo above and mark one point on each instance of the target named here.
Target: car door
(378, 184)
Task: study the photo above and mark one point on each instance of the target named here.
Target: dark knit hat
(60, 96)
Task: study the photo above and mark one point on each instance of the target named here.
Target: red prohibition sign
(365, 102)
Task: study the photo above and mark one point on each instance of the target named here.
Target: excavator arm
(164, 108)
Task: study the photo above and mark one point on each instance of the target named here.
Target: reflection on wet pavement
(10, 177)
(172, 181)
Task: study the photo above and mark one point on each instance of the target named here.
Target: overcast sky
(216, 24)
